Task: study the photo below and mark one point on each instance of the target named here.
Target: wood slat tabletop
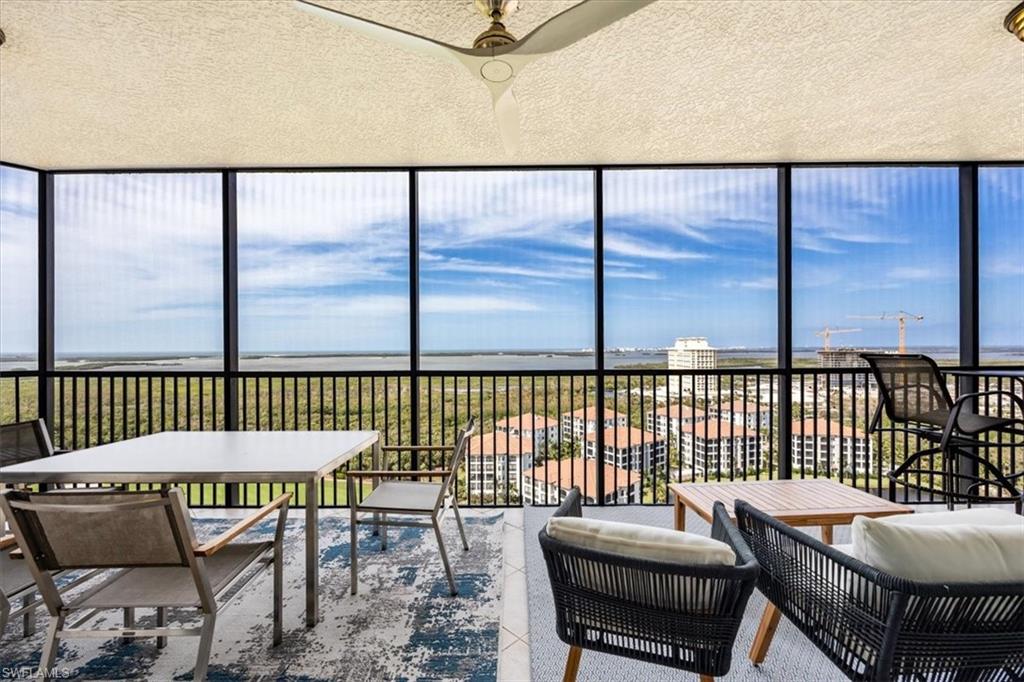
(801, 502)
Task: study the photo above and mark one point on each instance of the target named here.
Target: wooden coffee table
(801, 502)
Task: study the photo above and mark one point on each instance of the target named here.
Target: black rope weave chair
(684, 617)
(878, 627)
(915, 398)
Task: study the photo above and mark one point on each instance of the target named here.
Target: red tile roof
(591, 413)
(499, 444)
(742, 407)
(583, 473)
(527, 422)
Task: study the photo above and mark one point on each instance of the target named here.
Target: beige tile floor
(514, 638)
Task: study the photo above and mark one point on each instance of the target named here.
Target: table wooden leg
(680, 514)
(312, 554)
(826, 534)
(765, 632)
(572, 664)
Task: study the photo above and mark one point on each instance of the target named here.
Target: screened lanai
(521, 259)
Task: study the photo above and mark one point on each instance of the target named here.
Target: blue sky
(506, 259)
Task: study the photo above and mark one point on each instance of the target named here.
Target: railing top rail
(982, 371)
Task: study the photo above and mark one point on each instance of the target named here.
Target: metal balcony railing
(622, 435)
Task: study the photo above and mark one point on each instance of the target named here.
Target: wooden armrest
(421, 448)
(8, 541)
(398, 474)
(218, 543)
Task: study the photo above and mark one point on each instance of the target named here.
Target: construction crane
(901, 318)
(827, 333)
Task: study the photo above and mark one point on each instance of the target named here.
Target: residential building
(841, 357)
(751, 415)
(496, 458)
(673, 419)
(581, 421)
(691, 353)
(830, 446)
(727, 447)
(629, 447)
(535, 427)
(550, 482)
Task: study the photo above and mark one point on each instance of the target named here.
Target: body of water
(509, 361)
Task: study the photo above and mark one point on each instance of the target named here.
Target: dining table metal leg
(312, 554)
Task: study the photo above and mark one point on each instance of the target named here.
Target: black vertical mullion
(414, 314)
(598, 333)
(785, 318)
(45, 283)
(970, 347)
(229, 309)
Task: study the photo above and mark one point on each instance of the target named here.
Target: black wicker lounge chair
(646, 610)
(916, 400)
(875, 626)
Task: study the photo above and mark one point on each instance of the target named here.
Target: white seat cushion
(641, 542)
(972, 545)
(401, 496)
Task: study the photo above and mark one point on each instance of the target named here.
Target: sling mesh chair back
(915, 398)
(875, 626)
(24, 442)
(20, 442)
(405, 493)
(149, 537)
(683, 617)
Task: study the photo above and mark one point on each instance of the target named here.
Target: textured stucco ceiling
(172, 83)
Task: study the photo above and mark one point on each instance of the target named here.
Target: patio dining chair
(680, 615)
(23, 441)
(916, 400)
(397, 496)
(147, 541)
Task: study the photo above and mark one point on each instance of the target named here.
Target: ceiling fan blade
(388, 34)
(574, 24)
(506, 115)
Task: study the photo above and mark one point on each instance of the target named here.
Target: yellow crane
(827, 332)
(901, 318)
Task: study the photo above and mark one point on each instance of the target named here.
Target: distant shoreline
(510, 360)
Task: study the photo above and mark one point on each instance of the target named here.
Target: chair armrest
(398, 474)
(418, 448)
(1014, 398)
(8, 541)
(218, 543)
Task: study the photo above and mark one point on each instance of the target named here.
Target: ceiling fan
(497, 57)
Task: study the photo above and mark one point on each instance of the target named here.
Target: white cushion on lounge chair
(641, 542)
(971, 545)
(402, 496)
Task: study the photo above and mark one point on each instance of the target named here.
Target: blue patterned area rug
(403, 625)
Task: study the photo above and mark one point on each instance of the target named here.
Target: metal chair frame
(18, 506)
(950, 440)
(380, 521)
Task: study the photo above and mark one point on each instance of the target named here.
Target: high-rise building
(691, 353)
